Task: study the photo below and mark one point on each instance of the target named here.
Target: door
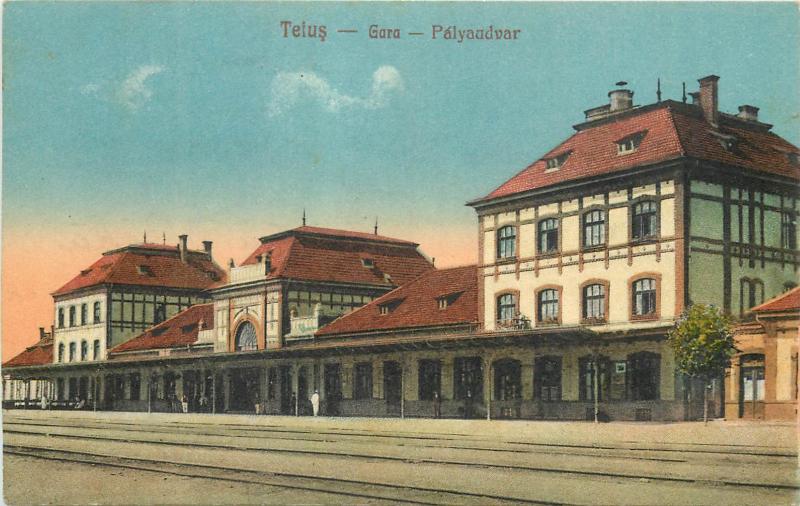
(285, 373)
(333, 389)
(752, 386)
(392, 386)
(303, 395)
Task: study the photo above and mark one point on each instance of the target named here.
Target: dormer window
(368, 263)
(144, 270)
(442, 302)
(389, 306)
(794, 158)
(630, 143)
(384, 309)
(728, 142)
(556, 162)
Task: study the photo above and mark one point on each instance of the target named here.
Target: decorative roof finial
(164, 238)
(145, 237)
(304, 216)
(376, 226)
(658, 90)
(684, 92)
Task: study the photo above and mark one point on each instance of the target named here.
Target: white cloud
(133, 91)
(290, 87)
(90, 89)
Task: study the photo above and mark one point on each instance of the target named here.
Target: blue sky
(153, 114)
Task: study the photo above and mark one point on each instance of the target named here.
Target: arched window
(548, 306)
(594, 302)
(644, 297)
(61, 317)
(60, 352)
(548, 235)
(96, 350)
(594, 228)
(96, 313)
(72, 352)
(506, 242)
(246, 337)
(643, 220)
(72, 316)
(84, 350)
(506, 308)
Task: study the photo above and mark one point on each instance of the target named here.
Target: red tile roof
(789, 301)
(671, 130)
(40, 353)
(319, 254)
(180, 330)
(416, 304)
(148, 265)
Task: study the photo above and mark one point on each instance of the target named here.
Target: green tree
(703, 344)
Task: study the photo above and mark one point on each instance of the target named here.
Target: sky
(203, 118)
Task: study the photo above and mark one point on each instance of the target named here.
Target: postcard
(400, 252)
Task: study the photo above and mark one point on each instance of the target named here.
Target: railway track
(353, 489)
(206, 440)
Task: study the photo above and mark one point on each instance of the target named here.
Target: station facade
(585, 259)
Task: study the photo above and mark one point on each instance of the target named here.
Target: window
(272, 383)
(72, 352)
(468, 378)
(246, 337)
(160, 313)
(556, 162)
(643, 221)
(644, 373)
(594, 302)
(96, 311)
(96, 350)
(368, 263)
(547, 378)
(548, 235)
(136, 385)
(752, 294)
(506, 242)
(644, 297)
(61, 317)
(789, 230)
(84, 350)
(169, 385)
(84, 314)
(629, 144)
(383, 309)
(430, 376)
(548, 306)
(60, 352)
(594, 228)
(363, 386)
(507, 380)
(72, 316)
(594, 371)
(506, 308)
(442, 302)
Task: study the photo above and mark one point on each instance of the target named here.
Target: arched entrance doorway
(751, 386)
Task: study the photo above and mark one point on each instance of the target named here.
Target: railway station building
(585, 258)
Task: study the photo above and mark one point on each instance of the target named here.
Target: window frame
(633, 374)
(424, 367)
(72, 351)
(789, 230)
(585, 318)
(655, 213)
(632, 282)
(72, 316)
(600, 225)
(539, 370)
(504, 242)
(540, 292)
(548, 235)
(514, 306)
(84, 314)
(61, 317)
(363, 387)
(84, 350)
(97, 313)
(61, 353)
(96, 349)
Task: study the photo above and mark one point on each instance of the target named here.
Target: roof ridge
(671, 113)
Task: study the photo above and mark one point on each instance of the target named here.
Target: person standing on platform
(315, 402)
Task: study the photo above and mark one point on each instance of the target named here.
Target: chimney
(42, 334)
(231, 264)
(621, 99)
(748, 112)
(182, 246)
(709, 99)
(207, 248)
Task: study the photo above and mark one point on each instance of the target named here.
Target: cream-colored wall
(89, 332)
(785, 384)
(531, 274)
